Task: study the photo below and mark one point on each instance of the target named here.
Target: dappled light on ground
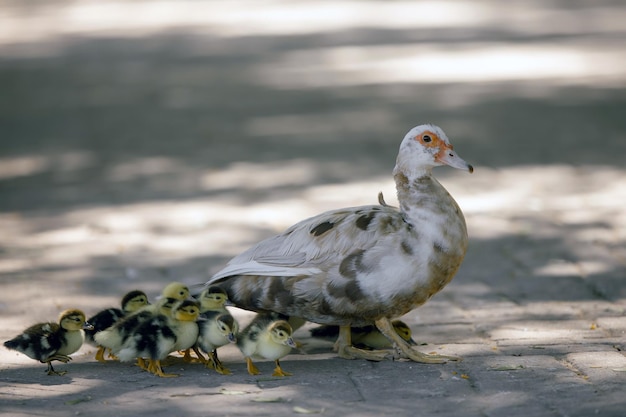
(150, 141)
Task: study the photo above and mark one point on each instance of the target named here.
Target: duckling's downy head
(404, 331)
(213, 297)
(280, 332)
(134, 300)
(176, 290)
(228, 326)
(186, 310)
(73, 320)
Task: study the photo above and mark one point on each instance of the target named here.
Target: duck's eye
(427, 138)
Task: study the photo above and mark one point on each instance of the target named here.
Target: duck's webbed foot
(344, 348)
(405, 350)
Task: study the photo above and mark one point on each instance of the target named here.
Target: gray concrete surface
(146, 142)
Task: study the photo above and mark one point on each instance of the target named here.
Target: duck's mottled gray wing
(310, 246)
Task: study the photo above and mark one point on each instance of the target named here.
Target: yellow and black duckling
(213, 298)
(114, 337)
(367, 337)
(157, 337)
(266, 338)
(216, 329)
(131, 302)
(47, 342)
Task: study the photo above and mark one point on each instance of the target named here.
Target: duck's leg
(344, 348)
(278, 371)
(100, 354)
(252, 369)
(406, 351)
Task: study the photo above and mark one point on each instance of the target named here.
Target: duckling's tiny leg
(278, 371)
(51, 370)
(154, 366)
(60, 358)
(142, 364)
(112, 356)
(187, 355)
(252, 369)
(217, 364)
(406, 351)
(201, 357)
(100, 354)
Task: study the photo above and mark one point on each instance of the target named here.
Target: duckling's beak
(291, 343)
(411, 342)
(232, 338)
(87, 326)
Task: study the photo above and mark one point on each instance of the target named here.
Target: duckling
(156, 338)
(115, 336)
(213, 298)
(367, 337)
(47, 342)
(266, 338)
(131, 302)
(216, 330)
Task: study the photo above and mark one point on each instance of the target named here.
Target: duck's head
(427, 146)
(404, 331)
(134, 300)
(73, 320)
(186, 310)
(280, 332)
(213, 298)
(227, 326)
(176, 290)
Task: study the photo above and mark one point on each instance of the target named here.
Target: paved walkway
(142, 145)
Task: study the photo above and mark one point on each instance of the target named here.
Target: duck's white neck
(421, 196)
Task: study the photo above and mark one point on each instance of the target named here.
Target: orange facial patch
(434, 142)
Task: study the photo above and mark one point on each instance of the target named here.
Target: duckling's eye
(426, 138)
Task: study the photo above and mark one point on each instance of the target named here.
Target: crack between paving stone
(569, 365)
(357, 388)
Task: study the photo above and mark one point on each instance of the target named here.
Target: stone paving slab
(136, 151)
